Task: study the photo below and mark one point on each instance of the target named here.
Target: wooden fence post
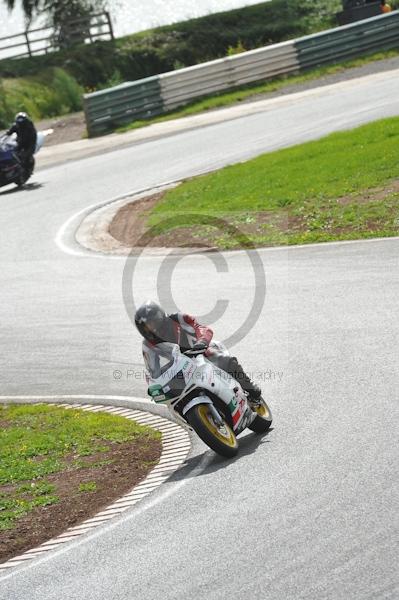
(28, 44)
(111, 31)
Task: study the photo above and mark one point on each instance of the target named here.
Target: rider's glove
(198, 348)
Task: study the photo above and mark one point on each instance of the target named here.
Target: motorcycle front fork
(216, 416)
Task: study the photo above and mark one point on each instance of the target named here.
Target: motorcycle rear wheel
(220, 438)
(263, 419)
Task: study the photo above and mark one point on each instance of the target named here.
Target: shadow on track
(28, 187)
(248, 445)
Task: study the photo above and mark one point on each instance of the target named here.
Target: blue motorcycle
(12, 169)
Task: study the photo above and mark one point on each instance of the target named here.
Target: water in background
(129, 16)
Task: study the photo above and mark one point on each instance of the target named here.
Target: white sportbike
(204, 398)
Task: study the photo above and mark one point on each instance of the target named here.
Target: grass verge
(343, 186)
(39, 443)
(250, 91)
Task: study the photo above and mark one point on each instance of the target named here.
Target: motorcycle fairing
(181, 375)
(6, 155)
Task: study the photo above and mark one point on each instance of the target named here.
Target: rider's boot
(235, 369)
(29, 165)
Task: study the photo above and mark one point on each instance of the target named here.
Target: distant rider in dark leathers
(26, 139)
(156, 326)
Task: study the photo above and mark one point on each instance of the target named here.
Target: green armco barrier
(122, 104)
(349, 41)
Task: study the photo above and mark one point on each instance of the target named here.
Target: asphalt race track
(304, 512)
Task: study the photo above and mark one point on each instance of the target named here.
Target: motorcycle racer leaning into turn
(26, 134)
(156, 326)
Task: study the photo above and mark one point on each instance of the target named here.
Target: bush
(52, 93)
(238, 49)
(6, 113)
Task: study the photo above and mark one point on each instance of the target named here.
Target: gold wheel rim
(262, 410)
(227, 437)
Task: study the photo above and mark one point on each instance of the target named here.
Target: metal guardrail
(180, 87)
(43, 40)
(123, 103)
(161, 93)
(156, 95)
(376, 33)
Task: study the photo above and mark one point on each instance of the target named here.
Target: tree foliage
(70, 18)
(57, 11)
(28, 6)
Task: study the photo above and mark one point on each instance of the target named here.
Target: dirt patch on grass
(129, 224)
(373, 195)
(264, 228)
(114, 474)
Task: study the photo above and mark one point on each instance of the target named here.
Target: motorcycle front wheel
(219, 437)
(22, 179)
(263, 419)
(26, 173)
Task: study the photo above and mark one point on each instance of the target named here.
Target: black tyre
(220, 438)
(22, 179)
(26, 172)
(263, 419)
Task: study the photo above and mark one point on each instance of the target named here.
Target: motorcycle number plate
(159, 398)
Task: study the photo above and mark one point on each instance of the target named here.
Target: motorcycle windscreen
(7, 149)
(39, 141)
(161, 358)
